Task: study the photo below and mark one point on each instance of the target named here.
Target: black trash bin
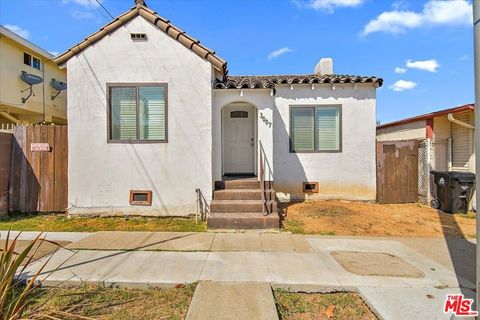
(454, 190)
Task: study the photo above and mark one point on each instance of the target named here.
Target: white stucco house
(150, 109)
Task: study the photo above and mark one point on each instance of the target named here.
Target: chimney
(324, 66)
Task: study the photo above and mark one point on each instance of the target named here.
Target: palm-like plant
(15, 294)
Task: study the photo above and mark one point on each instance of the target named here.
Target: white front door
(238, 140)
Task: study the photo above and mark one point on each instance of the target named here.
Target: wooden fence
(5, 147)
(38, 169)
(397, 171)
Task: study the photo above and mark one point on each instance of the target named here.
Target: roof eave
(428, 116)
(163, 24)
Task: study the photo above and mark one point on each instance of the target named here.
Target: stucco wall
(407, 131)
(11, 65)
(101, 174)
(349, 174)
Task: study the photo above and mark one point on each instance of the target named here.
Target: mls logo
(459, 305)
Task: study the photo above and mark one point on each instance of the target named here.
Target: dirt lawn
(318, 306)
(344, 218)
(92, 302)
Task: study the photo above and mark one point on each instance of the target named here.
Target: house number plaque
(40, 147)
(265, 120)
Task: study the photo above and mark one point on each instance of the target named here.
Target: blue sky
(422, 49)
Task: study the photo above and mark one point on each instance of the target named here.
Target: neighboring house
(451, 132)
(151, 109)
(19, 55)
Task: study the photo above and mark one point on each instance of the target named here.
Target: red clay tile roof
(269, 82)
(162, 23)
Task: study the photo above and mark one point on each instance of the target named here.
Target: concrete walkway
(53, 236)
(293, 262)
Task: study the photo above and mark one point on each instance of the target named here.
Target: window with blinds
(315, 129)
(138, 113)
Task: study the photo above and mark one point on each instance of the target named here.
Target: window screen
(138, 113)
(152, 113)
(315, 128)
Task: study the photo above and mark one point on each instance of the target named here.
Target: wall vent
(138, 36)
(140, 197)
(310, 187)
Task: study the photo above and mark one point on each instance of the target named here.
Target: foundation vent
(140, 197)
(310, 187)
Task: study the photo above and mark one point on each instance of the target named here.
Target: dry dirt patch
(319, 306)
(92, 302)
(373, 219)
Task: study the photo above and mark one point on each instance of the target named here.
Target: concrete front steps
(237, 204)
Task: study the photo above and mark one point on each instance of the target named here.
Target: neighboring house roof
(24, 42)
(428, 115)
(269, 82)
(140, 9)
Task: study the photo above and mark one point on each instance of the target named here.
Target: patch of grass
(112, 303)
(329, 211)
(327, 233)
(303, 306)
(468, 215)
(61, 222)
(294, 226)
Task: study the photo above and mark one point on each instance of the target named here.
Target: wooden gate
(5, 147)
(38, 169)
(397, 171)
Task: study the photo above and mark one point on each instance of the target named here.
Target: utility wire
(101, 5)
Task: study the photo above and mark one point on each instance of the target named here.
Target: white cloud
(82, 15)
(24, 33)
(400, 70)
(402, 85)
(464, 57)
(400, 5)
(54, 53)
(425, 65)
(393, 22)
(328, 5)
(279, 52)
(83, 3)
(435, 12)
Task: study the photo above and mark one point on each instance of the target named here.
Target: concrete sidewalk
(298, 263)
(53, 236)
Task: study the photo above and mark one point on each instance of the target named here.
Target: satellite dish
(30, 79)
(59, 86)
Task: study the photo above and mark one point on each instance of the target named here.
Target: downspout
(460, 123)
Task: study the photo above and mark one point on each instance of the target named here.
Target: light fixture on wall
(313, 86)
(241, 92)
(333, 87)
(291, 87)
(355, 86)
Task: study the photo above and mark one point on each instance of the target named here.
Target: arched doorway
(239, 121)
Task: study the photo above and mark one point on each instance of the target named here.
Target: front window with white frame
(315, 128)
